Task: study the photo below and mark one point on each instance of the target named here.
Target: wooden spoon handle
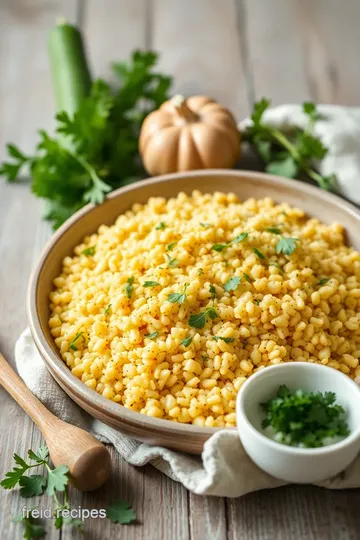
(88, 460)
(12, 383)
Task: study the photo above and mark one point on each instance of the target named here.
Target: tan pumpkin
(185, 134)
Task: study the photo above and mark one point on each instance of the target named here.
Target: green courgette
(69, 68)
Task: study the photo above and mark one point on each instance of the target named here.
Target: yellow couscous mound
(168, 311)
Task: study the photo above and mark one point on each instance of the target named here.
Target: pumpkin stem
(183, 110)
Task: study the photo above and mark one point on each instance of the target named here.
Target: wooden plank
(113, 29)
(207, 518)
(275, 50)
(295, 513)
(200, 46)
(26, 104)
(330, 38)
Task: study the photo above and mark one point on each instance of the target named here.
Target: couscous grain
(169, 310)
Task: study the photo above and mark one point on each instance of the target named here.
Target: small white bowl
(297, 465)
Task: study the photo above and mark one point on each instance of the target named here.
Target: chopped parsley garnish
(161, 226)
(187, 341)
(274, 230)
(323, 281)
(257, 301)
(89, 251)
(72, 345)
(152, 336)
(178, 298)
(129, 286)
(206, 225)
(171, 262)
(212, 291)
(150, 284)
(259, 254)
(200, 271)
(225, 339)
(120, 512)
(107, 310)
(239, 238)
(248, 278)
(204, 357)
(286, 245)
(198, 320)
(232, 284)
(304, 418)
(276, 264)
(170, 246)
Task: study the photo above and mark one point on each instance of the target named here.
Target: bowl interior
(245, 184)
(305, 376)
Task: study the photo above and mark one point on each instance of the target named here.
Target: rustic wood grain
(236, 50)
(200, 45)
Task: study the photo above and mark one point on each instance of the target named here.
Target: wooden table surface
(237, 51)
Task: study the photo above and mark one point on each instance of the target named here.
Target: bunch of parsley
(289, 153)
(96, 150)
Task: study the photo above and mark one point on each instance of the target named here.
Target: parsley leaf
(129, 286)
(259, 254)
(152, 336)
(286, 245)
(150, 284)
(323, 281)
(41, 454)
(239, 238)
(31, 525)
(200, 271)
(232, 284)
(161, 226)
(274, 230)
(285, 167)
(198, 320)
(12, 477)
(187, 341)
(178, 298)
(89, 251)
(120, 512)
(107, 310)
(171, 262)
(72, 345)
(225, 339)
(170, 246)
(247, 277)
(58, 479)
(212, 291)
(94, 150)
(32, 485)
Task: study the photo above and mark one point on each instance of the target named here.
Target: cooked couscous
(169, 310)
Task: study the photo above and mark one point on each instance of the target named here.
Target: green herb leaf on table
(178, 298)
(12, 477)
(232, 284)
(150, 284)
(198, 320)
(57, 480)
(89, 251)
(31, 525)
(129, 286)
(187, 341)
(120, 512)
(286, 245)
(41, 454)
(152, 336)
(225, 339)
(32, 485)
(286, 167)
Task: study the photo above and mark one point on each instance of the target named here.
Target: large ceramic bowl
(183, 437)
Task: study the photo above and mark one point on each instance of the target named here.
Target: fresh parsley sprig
(239, 238)
(178, 298)
(289, 154)
(198, 320)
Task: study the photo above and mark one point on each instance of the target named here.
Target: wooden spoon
(88, 460)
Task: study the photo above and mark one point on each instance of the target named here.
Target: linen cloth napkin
(224, 469)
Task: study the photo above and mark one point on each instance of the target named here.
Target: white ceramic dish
(297, 465)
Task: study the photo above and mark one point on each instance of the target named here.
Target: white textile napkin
(224, 469)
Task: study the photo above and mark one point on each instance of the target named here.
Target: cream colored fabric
(224, 469)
